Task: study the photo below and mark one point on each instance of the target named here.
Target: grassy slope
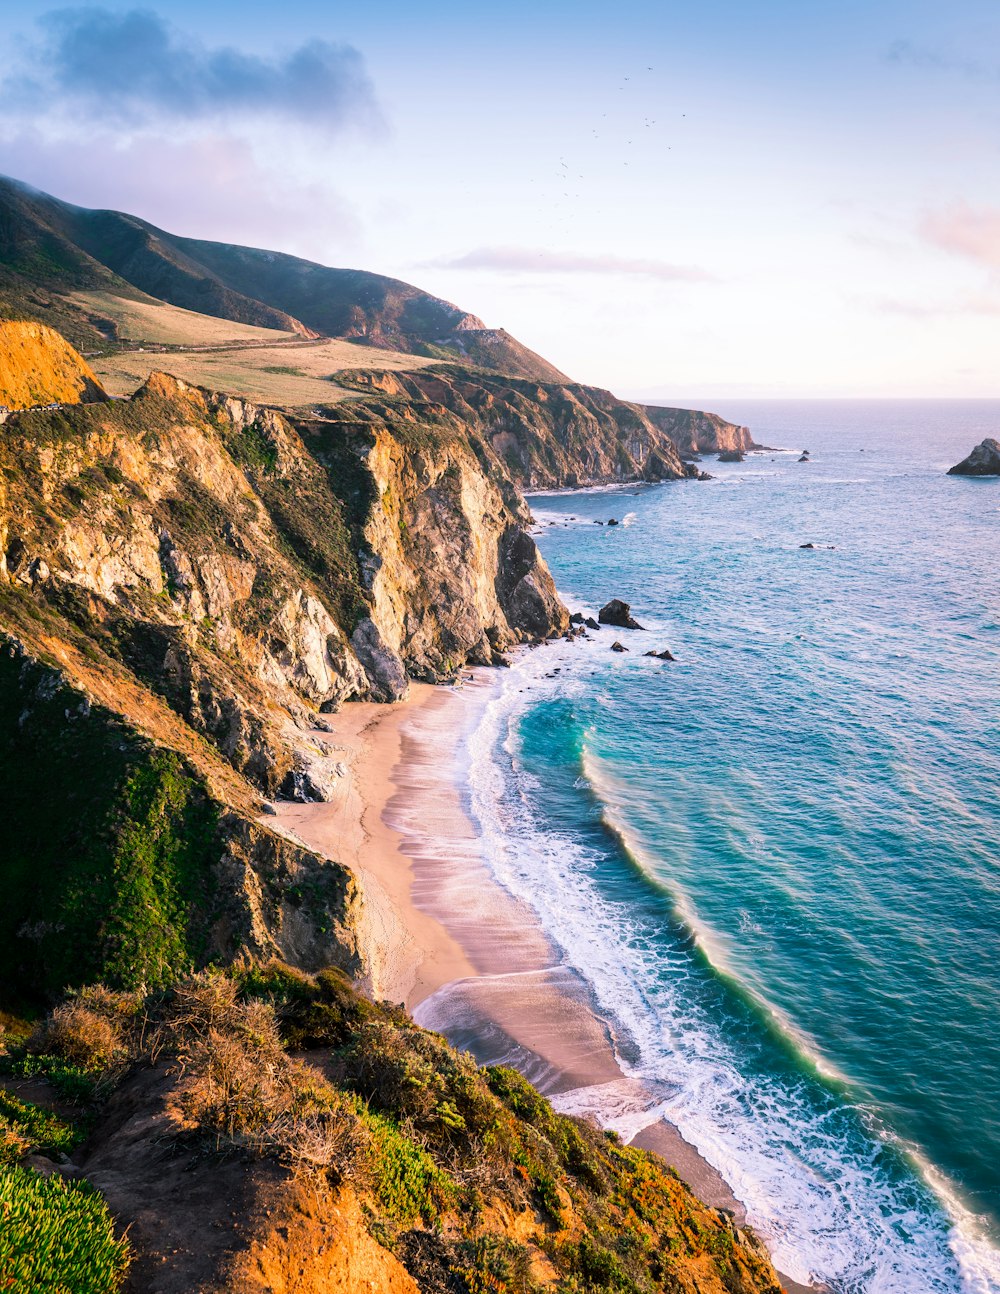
(467, 1176)
(109, 845)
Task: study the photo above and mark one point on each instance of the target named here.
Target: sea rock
(805, 456)
(983, 461)
(618, 647)
(598, 523)
(612, 521)
(807, 545)
(661, 655)
(732, 456)
(591, 623)
(576, 618)
(618, 613)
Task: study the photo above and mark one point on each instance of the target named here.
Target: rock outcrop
(38, 367)
(548, 435)
(618, 613)
(251, 572)
(983, 461)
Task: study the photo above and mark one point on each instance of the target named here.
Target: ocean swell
(839, 1199)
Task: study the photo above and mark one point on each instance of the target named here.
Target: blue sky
(687, 201)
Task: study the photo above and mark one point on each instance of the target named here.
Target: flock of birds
(565, 172)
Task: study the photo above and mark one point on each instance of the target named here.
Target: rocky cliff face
(252, 573)
(38, 367)
(695, 432)
(554, 435)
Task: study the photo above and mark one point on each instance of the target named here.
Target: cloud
(966, 231)
(133, 69)
(968, 305)
(934, 60)
(525, 260)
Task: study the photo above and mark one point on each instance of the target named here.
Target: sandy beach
(467, 958)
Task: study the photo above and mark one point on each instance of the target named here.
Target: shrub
(78, 1035)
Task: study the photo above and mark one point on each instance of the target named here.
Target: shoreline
(444, 938)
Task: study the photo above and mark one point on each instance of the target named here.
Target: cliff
(37, 366)
(547, 435)
(253, 573)
(196, 581)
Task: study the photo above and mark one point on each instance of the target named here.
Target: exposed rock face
(37, 367)
(983, 461)
(618, 613)
(695, 432)
(252, 573)
(552, 435)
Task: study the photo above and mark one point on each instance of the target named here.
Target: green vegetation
(253, 449)
(57, 1236)
(27, 1129)
(109, 845)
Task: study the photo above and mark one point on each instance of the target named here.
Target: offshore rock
(618, 613)
(661, 655)
(983, 461)
(618, 647)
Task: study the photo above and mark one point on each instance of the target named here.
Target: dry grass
(239, 1087)
(91, 1030)
(167, 325)
(291, 375)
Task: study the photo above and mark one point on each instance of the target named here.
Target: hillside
(265, 1130)
(52, 252)
(37, 366)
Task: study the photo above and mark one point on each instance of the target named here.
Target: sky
(678, 201)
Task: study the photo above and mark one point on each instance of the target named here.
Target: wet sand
(467, 958)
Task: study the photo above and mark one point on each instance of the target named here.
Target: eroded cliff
(37, 366)
(252, 573)
(550, 435)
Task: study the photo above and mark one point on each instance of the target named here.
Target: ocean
(775, 861)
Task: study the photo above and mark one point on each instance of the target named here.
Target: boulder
(576, 618)
(618, 647)
(804, 458)
(618, 613)
(807, 545)
(732, 456)
(612, 521)
(591, 623)
(661, 655)
(983, 461)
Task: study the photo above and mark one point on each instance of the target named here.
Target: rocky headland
(192, 586)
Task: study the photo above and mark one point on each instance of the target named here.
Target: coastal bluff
(191, 586)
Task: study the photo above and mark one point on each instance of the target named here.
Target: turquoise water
(777, 860)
